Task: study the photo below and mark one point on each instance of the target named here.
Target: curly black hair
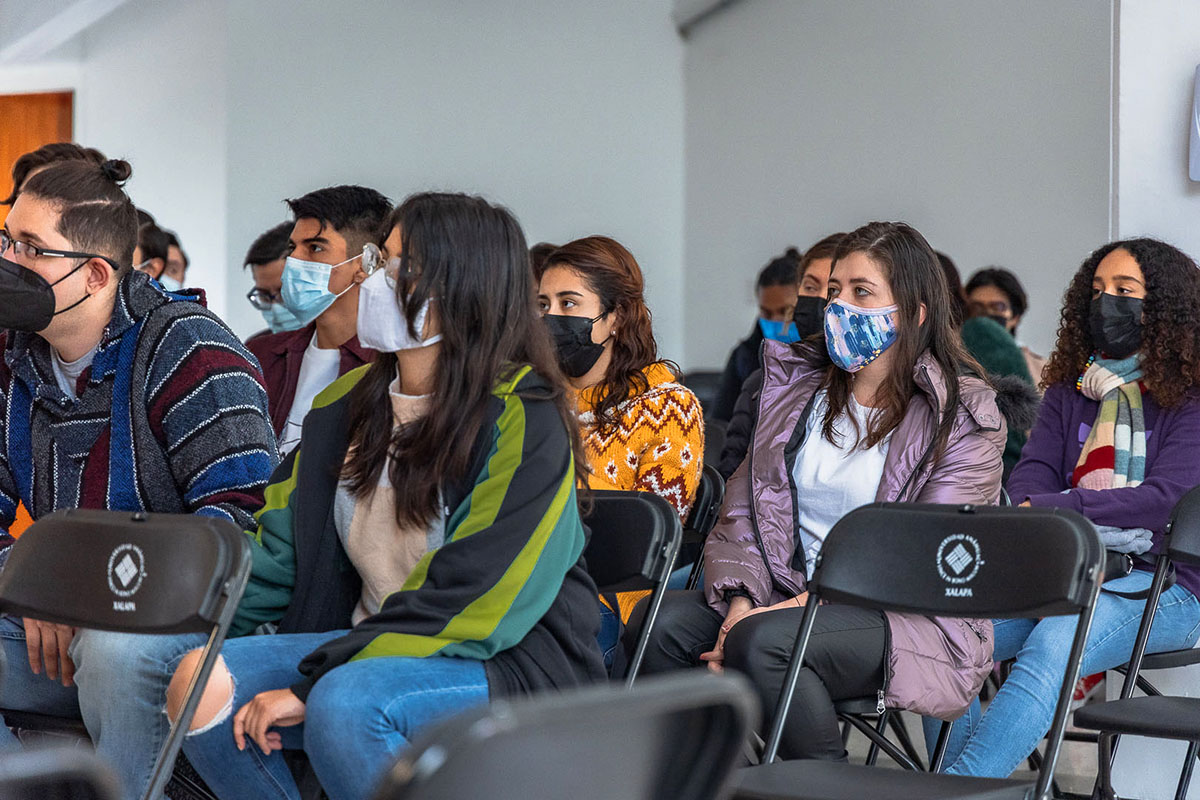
(1170, 321)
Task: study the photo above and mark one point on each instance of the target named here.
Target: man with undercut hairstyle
(321, 275)
(114, 394)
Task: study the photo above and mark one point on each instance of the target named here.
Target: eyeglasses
(32, 251)
(999, 308)
(262, 299)
(393, 273)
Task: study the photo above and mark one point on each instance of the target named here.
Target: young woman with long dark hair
(421, 550)
(1116, 441)
(887, 408)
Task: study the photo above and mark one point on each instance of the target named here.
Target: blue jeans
(121, 682)
(358, 716)
(1021, 712)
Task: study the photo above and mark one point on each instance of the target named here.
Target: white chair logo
(958, 562)
(126, 570)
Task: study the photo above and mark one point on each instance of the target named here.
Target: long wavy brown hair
(916, 278)
(611, 271)
(472, 258)
(1170, 321)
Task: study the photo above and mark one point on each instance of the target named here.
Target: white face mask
(381, 324)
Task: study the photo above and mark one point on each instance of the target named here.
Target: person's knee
(746, 646)
(216, 701)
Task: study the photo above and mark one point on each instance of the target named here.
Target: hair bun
(792, 253)
(116, 170)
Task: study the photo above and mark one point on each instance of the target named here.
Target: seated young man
(265, 260)
(320, 288)
(113, 394)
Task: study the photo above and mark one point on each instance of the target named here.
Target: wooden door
(28, 121)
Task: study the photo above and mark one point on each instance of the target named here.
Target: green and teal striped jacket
(508, 587)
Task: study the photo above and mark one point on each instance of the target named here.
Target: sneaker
(1087, 689)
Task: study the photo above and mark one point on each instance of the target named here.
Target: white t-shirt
(67, 373)
(318, 369)
(833, 480)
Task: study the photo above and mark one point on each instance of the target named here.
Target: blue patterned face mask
(857, 336)
(306, 287)
(778, 330)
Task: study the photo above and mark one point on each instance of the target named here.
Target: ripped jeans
(358, 716)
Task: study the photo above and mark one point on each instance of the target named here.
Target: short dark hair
(783, 270)
(44, 156)
(94, 213)
(269, 246)
(173, 241)
(538, 254)
(1006, 282)
(153, 242)
(145, 217)
(355, 212)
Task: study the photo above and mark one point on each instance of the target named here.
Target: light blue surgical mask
(280, 319)
(778, 330)
(169, 283)
(856, 336)
(306, 287)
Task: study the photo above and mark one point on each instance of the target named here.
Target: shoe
(1086, 689)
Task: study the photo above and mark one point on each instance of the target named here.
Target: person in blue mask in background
(776, 290)
(265, 260)
(322, 272)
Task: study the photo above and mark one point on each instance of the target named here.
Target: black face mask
(1003, 321)
(809, 316)
(577, 353)
(27, 299)
(1116, 324)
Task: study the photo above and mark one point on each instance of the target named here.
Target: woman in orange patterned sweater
(641, 428)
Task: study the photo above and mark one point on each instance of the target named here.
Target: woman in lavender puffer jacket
(912, 424)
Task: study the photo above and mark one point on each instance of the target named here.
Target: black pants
(844, 660)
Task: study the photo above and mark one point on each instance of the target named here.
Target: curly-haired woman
(1115, 440)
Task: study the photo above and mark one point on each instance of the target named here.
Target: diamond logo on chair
(959, 559)
(126, 570)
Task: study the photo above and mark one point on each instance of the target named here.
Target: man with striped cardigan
(116, 394)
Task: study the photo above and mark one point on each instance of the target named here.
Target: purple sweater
(1172, 468)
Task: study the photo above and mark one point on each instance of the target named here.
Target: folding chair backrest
(1184, 543)
(586, 745)
(59, 773)
(633, 534)
(126, 571)
(707, 505)
(961, 561)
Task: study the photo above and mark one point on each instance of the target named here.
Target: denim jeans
(121, 681)
(358, 716)
(1021, 712)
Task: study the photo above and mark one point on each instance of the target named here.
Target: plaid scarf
(1114, 454)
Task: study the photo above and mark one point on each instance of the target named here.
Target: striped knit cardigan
(170, 417)
(508, 587)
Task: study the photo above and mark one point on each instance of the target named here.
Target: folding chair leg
(1185, 777)
(901, 730)
(881, 729)
(1103, 789)
(845, 733)
(880, 742)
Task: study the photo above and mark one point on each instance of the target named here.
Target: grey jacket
(935, 666)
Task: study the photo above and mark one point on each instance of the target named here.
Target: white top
(318, 369)
(833, 480)
(67, 373)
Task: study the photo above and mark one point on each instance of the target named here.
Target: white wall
(984, 123)
(152, 91)
(1159, 52)
(569, 113)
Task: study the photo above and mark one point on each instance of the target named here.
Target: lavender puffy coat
(935, 666)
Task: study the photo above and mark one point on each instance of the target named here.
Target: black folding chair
(133, 573)
(634, 539)
(949, 561)
(599, 743)
(59, 773)
(1154, 715)
(705, 510)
